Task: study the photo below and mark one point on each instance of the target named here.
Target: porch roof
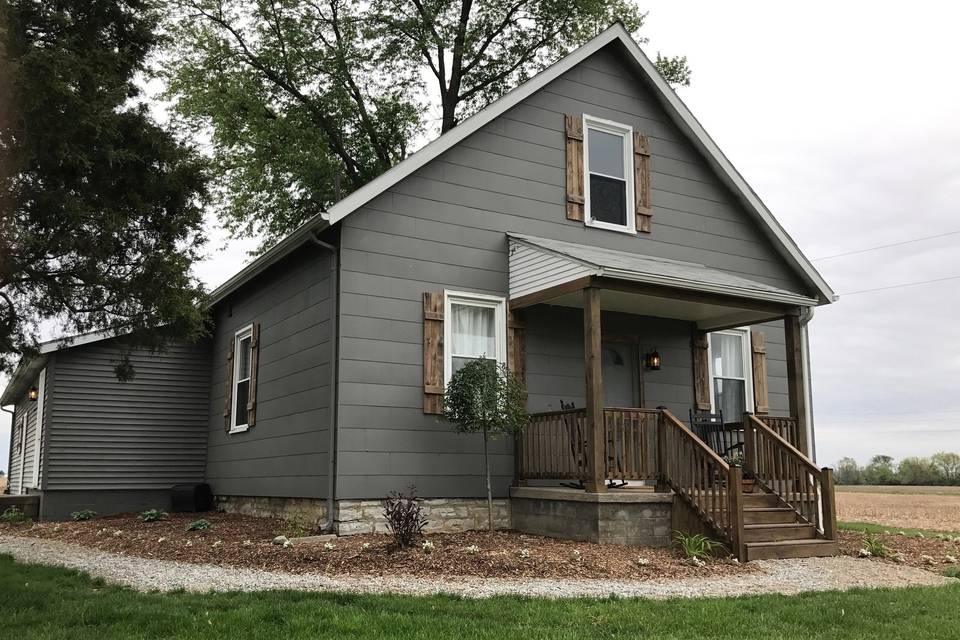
(544, 270)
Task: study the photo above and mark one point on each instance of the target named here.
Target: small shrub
(427, 546)
(952, 572)
(297, 526)
(83, 515)
(199, 525)
(696, 546)
(405, 518)
(13, 515)
(874, 545)
(153, 515)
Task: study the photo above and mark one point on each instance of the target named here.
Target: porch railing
(786, 428)
(701, 477)
(554, 445)
(783, 469)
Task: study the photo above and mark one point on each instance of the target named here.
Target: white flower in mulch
(329, 546)
(694, 561)
(898, 557)
(365, 546)
(118, 533)
(189, 543)
(524, 553)
(280, 540)
(950, 559)
(472, 549)
(733, 560)
(576, 556)
(287, 544)
(217, 543)
(100, 532)
(427, 546)
(160, 539)
(864, 553)
(643, 562)
(925, 559)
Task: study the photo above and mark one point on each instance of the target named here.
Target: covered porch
(640, 438)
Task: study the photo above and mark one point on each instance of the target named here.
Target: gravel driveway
(776, 576)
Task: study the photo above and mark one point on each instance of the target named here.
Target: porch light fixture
(652, 360)
(33, 394)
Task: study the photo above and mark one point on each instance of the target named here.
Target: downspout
(13, 414)
(806, 315)
(333, 411)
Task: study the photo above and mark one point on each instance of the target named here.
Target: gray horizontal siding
(146, 433)
(285, 454)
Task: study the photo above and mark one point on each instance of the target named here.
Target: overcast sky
(844, 118)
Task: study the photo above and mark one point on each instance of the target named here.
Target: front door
(620, 375)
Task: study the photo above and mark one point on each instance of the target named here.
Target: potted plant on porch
(484, 396)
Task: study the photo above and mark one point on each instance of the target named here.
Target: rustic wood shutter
(433, 353)
(517, 346)
(575, 198)
(761, 394)
(641, 182)
(701, 372)
(228, 392)
(254, 361)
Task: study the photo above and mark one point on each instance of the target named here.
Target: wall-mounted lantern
(33, 394)
(652, 360)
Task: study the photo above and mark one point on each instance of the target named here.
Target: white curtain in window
(473, 331)
(727, 350)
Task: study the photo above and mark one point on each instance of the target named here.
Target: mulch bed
(911, 548)
(244, 541)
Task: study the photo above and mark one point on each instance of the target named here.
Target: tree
(918, 471)
(101, 212)
(948, 464)
(485, 397)
(305, 100)
(880, 471)
(848, 472)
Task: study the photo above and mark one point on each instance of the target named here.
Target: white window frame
(497, 303)
(238, 337)
(744, 334)
(626, 132)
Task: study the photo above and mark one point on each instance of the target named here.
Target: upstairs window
(608, 165)
(475, 328)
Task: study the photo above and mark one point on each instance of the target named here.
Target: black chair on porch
(710, 428)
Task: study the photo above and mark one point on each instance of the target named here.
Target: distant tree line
(939, 469)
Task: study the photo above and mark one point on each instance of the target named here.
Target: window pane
(606, 153)
(457, 363)
(608, 200)
(243, 349)
(727, 352)
(240, 406)
(473, 331)
(729, 398)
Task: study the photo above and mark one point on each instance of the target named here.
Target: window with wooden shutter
(641, 187)
(228, 390)
(761, 394)
(433, 352)
(240, 406)
(575, 197)
(701, 372)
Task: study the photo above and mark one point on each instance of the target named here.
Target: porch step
(769, 515)
(760, 500)
(791, 549)
(778, 532)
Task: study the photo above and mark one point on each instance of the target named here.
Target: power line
(900, 286)
(887, 246)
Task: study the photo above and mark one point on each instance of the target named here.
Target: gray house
(585, 230)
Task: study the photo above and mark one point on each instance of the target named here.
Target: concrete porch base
(620, 516)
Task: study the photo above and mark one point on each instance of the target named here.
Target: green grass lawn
(45, 602)
(871, 527)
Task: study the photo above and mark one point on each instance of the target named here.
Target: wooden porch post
(596, 449)
(795, 380)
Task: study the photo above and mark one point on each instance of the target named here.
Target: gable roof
(673, 105)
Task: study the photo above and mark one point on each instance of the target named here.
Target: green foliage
(847, 471)
(940, 469)
(297, 525)
(83, 514)
(875, 546)
(101, 209)
(695, 545)
(405, 518)
(947, 465)
(199, 525)
(50, 602)
(952, 571)
(870, 527)
(298, 95)
(13, 515)
(152, 515)
(484, 396)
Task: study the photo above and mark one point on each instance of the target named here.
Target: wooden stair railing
(782, 469)
(704, 480)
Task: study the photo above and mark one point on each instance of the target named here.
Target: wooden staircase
(786, 509)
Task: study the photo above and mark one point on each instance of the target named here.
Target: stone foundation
(313, 511)
(627, 517)
(445, 515)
